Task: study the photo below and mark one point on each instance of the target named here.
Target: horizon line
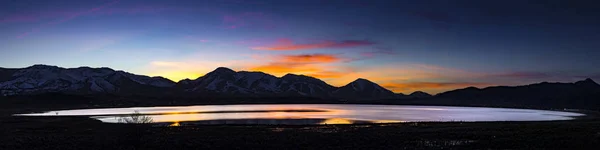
(586, 78)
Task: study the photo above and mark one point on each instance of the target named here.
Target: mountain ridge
(85, 80)
(584, 93)
(38, 79)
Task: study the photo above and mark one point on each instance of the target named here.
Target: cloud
(310, 58)
(280, 69)
(316, 65)
(396, 77)
(328, 74)
(283, 68)
(289, 45)
(404, 78)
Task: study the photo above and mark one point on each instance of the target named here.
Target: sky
(405, 46)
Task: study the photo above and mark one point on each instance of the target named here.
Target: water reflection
(175, 124)
(337, 121)
(315, 114)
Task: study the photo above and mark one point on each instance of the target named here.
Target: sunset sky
(405, 46)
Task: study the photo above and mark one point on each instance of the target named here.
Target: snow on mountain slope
(43, 79)
(85, 80)
(305, 85)
(224, 80)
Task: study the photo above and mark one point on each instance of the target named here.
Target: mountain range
(580, 94)
(43, 79)
(39, 79)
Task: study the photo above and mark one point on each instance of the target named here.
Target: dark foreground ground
(66, 133)
(80, 133)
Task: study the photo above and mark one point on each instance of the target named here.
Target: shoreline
(587, 115)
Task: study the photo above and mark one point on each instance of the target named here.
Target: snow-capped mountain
(43, 79)
(85, 80)
(305, 85)
(224, 80)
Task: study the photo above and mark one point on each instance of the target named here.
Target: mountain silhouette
(40, 79)
(43, 79)
(581, 94)
(363, 89)
(419, 94)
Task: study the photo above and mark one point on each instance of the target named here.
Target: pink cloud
(287, 45)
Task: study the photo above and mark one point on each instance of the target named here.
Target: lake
(314, 114)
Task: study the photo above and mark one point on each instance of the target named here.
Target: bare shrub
(136, 118)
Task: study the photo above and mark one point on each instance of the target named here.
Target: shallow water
(315, 114)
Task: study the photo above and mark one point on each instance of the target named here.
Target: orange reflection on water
(316, 113)
(175, 124)
(337, 121)
(280, 115)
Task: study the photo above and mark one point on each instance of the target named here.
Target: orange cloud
(403, 78)
(287, 45)
(280, 69)
(307, 64)
(283, 68)
(314, 70)
(328, 74)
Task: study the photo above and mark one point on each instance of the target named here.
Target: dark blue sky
(430, 45)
